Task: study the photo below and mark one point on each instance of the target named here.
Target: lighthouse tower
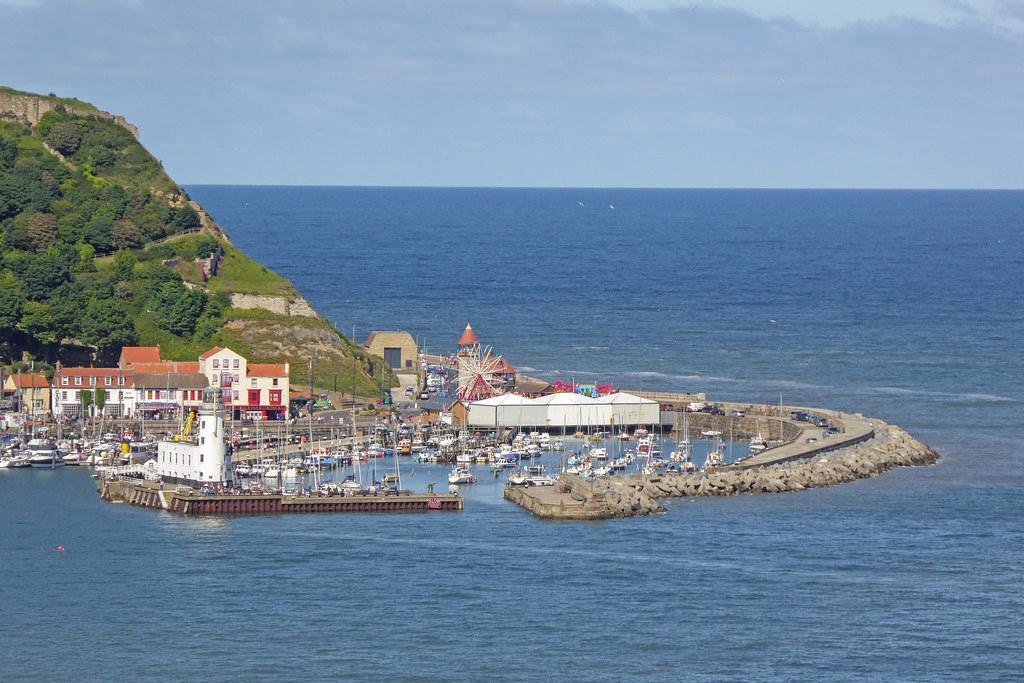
(199, 458)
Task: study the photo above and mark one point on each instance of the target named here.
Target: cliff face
(28, 108)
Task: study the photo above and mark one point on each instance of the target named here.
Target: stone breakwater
(574, 498)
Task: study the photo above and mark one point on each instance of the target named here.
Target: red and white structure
(257, 391)
(145, 386)
(481, 374)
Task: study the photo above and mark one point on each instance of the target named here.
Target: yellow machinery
(187, 429)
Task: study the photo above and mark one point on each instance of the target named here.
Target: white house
(251, 390)
(106, 391)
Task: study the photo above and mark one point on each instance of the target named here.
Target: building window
(275, 397)
(216, 363)
(120, 381)
(252, 382)
(92, 381)
(64, 395)
(254, 397)
(236, 394)
(235, 363)
(275, 381)
(78, 381)
(107, 381)
(236, 379)
(213, 380)
(63, 381)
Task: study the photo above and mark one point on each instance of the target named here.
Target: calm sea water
(905, 305)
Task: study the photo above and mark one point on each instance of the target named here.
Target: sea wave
(968, 396)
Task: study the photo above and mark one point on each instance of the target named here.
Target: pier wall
(186, 502)
(867, 448)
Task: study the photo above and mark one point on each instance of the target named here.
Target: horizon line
(615, 187)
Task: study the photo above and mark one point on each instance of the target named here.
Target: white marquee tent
(562, 410)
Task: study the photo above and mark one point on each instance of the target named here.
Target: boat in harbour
(43, 454)
(460, 475)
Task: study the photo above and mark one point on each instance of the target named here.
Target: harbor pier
(863, 448)
(187, 501)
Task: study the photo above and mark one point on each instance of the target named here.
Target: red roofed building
(189, 367)
(93, 391)
(132, 355)
(468, 338)
(30, 391)
(251, 390)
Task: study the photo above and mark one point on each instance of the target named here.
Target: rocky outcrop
(28, 109)
(289, 306)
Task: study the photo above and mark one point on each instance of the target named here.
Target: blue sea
(904, 305)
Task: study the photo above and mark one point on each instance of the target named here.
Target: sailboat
(715, 457)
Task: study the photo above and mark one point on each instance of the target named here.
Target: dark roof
(530, 385)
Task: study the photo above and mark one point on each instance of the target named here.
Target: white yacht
(460, 475)
(758, 443)
(43, 454)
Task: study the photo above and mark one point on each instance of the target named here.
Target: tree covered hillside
(101, 192)
(99, 248)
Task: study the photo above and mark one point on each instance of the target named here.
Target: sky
(563, 93)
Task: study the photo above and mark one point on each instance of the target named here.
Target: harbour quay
(188, 501)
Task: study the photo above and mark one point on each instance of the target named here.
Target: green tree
(178, 308)
(99, 157)
(8, 153)
(85, 264)
(85, 398)
(41, 230)
(45, 272)
(125, 235)
(182, 218)
(124, 265)
(107, 325)
(12, 300)
(97, 231)
(37, 321)
(65, 138)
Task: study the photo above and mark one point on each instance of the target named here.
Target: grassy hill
(99, 248)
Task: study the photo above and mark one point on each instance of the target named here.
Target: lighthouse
(199, 455)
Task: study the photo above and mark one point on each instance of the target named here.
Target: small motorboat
(460, 475)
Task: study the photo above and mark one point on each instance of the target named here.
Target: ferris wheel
(480, 375)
